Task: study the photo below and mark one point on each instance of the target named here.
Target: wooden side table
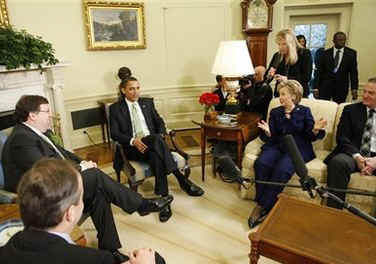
(11, 211)
(245, 131)
(298, 232)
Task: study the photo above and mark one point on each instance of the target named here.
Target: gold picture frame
(4, 19)
(114, 25)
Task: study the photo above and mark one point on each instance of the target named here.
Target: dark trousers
(340, 168)
(159, 158)
(272, 165)
(331, 91)
(100, 191)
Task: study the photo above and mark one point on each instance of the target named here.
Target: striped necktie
(365, 149)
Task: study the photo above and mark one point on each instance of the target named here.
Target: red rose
(209, 99)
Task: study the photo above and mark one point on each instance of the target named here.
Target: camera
(245, 81)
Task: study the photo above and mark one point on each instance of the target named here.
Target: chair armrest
(7, 197)
(172, 134)
(126, 164)
(254, 147)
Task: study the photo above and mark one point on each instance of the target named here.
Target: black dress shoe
(165, 214)
(155, 205)
(119, 257)
(252, 222)
(191, 189)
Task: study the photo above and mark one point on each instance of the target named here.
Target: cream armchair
(316, 168)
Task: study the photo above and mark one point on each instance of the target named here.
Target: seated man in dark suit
(356, 147)
(51, 203)
(27, 144)
(136, 124)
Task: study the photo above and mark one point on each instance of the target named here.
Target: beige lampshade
(232, 59)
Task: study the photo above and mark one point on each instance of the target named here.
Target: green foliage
(21, 49)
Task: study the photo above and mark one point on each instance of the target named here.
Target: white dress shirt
(142, 119)
(340, 56)
(64, 236)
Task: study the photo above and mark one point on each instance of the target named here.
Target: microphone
(231, 173)
(301, 170)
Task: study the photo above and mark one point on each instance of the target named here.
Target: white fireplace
(49, 83)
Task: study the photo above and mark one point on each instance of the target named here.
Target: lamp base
(232, 109)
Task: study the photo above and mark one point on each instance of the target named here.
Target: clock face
(257, 14)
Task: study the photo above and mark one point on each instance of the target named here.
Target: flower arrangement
(209, 100)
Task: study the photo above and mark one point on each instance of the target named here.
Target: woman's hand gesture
(265, 127)
(319, 124)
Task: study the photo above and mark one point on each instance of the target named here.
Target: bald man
(257, 94)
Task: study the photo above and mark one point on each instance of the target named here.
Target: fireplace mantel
(49, 83)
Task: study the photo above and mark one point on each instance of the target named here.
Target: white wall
(182, 37)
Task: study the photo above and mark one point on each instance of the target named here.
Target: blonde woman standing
(292, 61)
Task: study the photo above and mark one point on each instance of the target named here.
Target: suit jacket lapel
(344, 57)
(125, 112)
(363, 116)
(331, 58)
(45, 146)
(145, 111)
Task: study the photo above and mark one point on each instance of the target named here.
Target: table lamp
(232, 61)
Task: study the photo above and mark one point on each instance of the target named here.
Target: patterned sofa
(316, 168)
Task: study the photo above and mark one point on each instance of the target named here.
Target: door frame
(343, 10)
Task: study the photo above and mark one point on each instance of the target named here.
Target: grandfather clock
(257, 16)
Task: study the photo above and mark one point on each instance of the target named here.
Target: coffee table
(298, 232)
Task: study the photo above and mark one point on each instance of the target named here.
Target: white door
(317, 29)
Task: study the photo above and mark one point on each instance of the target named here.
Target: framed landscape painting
(4, 20)
(114, 25)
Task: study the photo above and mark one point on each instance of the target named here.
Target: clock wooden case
(257, 20)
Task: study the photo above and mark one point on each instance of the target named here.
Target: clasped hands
(366, 165)
(138, 144)
(87, 164)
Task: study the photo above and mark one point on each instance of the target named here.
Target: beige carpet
(208, 229)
